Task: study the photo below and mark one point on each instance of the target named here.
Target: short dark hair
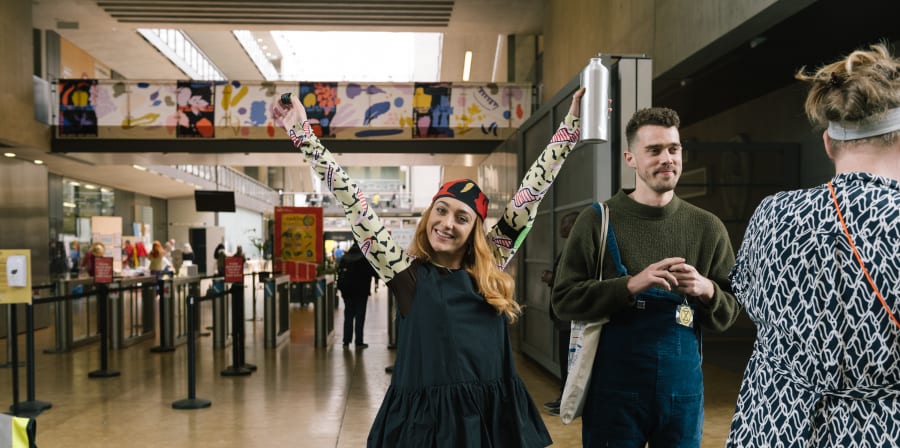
(657, 116)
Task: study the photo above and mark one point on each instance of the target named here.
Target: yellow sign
(15, 276)
(298, 237)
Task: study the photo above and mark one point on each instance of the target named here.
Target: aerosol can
(595, 101)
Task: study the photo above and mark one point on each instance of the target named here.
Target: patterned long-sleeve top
(825, 368)
(383, 253)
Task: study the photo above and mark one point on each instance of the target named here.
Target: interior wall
(16, 77)
(784, 121)
(24, 213)
(76, 63)
(669, 31)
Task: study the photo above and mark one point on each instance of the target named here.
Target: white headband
(851, 130)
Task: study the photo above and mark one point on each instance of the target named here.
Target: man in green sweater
(664, 276)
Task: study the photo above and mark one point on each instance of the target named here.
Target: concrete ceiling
(107, 31)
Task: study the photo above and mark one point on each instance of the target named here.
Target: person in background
(563, 327)
(187, 253)
(157, 257)
(128, 258)
(239, 252)
(354, 280)
(97, 249)
(664, 276)
(454, 381)
(169, 247)
(58, 261)
(817, 272)
(74, 256)
(219, 255)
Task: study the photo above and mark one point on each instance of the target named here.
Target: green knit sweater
(645, 235)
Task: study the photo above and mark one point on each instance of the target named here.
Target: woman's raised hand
(575, 107)
(290, 114)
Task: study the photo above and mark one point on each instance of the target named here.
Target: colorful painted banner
(298, 241)
(243, 110)
(77, 117)
(432, 109)
(194, 116)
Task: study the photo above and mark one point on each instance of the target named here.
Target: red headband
(467, 191)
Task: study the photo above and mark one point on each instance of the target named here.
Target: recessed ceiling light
(138, 167)
(38, 162)
(90, 187)
(9, 154)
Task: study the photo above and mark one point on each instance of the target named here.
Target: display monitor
(214, 201)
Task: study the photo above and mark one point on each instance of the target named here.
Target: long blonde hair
(479, 261)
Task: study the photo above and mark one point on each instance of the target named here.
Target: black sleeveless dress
(454, 382)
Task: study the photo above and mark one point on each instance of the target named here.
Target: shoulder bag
(583, 344)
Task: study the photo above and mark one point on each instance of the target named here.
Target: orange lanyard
(859, 258)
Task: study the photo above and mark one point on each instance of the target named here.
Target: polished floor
(299, 396)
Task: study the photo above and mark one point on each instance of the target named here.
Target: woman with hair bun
(819, 274)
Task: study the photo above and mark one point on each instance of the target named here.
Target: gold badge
(684, 315)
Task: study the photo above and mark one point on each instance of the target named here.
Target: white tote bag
(583, 346)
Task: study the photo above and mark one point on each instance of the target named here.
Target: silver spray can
(595, 101)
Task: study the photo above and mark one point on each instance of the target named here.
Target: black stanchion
(14, 354)
(165, 345)
(31, 407)
(238, 366)
(9, 340)
(102, 302)
(253, 314)
(191, 402)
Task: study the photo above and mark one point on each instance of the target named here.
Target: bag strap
(603, 211)
(859, 258)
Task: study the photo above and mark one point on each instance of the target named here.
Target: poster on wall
(77, 116)
(299, 247)
(15, 276)
(195, 115)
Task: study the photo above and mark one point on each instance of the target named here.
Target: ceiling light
(138, 167)
(75, 184)
(265, 47)
(9, 154)
(90, 187)
(467, 66)
(259, 39)
(38, 162)
(69, 204)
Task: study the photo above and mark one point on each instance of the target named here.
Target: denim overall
(646, 383)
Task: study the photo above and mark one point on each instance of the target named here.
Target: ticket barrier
(325, 304)
(276, 314)
(75, 320)
(131, 311)
(173, 310)
(221, 315)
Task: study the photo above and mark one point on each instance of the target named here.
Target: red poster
(234, 270)
(299, 247)
(103, 269)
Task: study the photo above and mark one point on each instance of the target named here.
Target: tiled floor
(298, 397)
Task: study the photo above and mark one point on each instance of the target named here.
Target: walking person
(664, 276)
(818, 274)
(354, 281)
(454, 381)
